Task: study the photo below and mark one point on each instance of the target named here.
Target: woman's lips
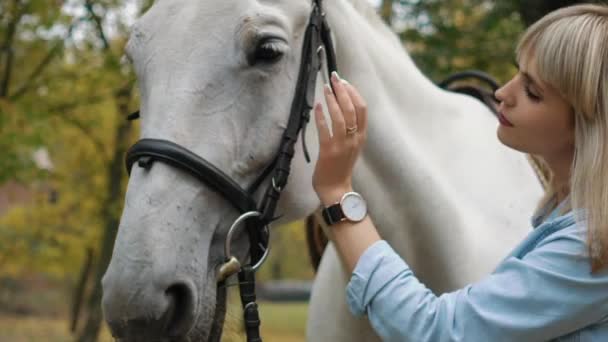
(504, 121)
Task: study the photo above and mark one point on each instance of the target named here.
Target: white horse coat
(441, 189)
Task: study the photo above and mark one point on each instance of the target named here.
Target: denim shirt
(542, 291)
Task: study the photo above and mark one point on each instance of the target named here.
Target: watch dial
(354, 207)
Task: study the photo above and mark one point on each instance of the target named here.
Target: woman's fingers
(337, 118)
(360, 109)
(344, 100)
(321, 125)
(347, 109)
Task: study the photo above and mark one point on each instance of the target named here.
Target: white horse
(218, 77)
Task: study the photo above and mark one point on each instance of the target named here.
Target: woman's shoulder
(561, 240)
(562, 246)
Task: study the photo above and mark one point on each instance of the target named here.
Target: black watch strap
(333, 214)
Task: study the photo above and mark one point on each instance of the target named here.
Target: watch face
(354, 206)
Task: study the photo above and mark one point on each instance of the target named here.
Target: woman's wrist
(332, 196)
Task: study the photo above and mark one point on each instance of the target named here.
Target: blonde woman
(554, 285)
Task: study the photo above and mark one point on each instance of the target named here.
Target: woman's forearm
(353, 239)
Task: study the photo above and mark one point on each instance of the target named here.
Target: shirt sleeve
(548, 293)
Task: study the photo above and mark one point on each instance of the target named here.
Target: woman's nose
(499, 94)
(505, 94)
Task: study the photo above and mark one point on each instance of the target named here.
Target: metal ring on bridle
(262, 259)
(323, 57)
(275, 187)
(231, 231)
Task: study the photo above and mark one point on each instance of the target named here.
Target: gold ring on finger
(351, 130)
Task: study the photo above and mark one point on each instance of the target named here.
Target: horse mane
(368, 12)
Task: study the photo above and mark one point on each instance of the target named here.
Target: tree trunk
(79, 293)
(7, 47)
(110, 213)
(386, 11)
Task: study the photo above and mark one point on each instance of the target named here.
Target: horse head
(217, 80)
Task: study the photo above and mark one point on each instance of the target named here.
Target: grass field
(280, 323)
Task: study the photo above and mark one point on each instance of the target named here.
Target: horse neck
(371, 56)
(400, 100)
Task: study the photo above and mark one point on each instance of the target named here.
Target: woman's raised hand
(339, 151)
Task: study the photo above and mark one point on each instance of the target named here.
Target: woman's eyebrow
(532, 81)
(529, 77)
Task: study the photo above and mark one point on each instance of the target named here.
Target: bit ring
(236, 225)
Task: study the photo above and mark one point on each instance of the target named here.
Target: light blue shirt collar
(541, 216)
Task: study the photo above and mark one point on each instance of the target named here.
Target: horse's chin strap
(251, 315)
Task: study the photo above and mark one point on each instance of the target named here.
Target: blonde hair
(570, 46)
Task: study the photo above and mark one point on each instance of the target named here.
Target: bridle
(256, 218)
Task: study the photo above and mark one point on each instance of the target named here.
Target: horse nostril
(180, 316)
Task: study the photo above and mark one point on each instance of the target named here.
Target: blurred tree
(36, 34)
(453, 35)
(114, 172)
(28, 49)
(445, 36)
(386, 11)
(71, 96)
(532, 10)
(287, 259)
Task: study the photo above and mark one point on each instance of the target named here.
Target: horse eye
(267, 52)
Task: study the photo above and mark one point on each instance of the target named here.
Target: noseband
(256, 218)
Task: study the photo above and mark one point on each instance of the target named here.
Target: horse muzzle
(156, 310)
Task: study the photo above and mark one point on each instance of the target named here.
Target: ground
(281, 322)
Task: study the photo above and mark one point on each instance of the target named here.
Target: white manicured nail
(335, 75)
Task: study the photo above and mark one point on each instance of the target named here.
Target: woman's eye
(267, 53)
(531, 95)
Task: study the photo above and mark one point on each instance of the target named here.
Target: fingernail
(334, 76)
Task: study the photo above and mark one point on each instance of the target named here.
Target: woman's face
(535, 118)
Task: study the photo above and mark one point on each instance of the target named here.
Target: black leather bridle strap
(251, 315)
(316, 36)
(145, 151)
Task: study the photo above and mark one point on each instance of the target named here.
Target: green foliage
(454, 35)
(288, 257)
(61, 95)
(27, 47)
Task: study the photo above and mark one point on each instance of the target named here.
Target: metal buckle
(275, 187)
(228, 268)
(322, 54)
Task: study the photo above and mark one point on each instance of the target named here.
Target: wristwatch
(352, 207)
